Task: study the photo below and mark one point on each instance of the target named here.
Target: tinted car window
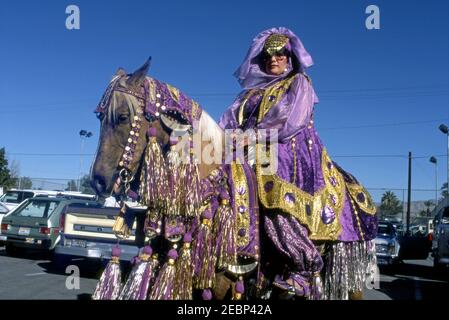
(37, 209)
(11, 197)
(384, 229)
(26, 195)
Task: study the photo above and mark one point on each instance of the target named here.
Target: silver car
(387, 244)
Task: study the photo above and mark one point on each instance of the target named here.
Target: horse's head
(123, 123)
(131, 105)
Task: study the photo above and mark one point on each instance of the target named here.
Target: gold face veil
(275, 43)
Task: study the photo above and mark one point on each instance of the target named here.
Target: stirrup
(294, 289)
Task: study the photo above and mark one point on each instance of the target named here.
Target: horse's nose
(98, 184)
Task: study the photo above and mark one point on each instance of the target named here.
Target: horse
(138, 113)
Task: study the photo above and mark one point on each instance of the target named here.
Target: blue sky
(367, 80)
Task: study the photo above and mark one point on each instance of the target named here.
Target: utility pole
(409, 195)
(83, 134)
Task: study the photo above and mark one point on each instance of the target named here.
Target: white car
(12, 198)
(3, 211)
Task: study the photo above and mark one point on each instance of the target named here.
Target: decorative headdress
(276, 43)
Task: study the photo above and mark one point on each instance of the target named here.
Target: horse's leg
(355, 295)
(222, 286)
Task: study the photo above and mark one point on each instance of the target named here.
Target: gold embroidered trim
(273, 95)
(289, 198)
(174, 92)
(195, 109)
(367, 204)
(242, 106)
(152, 88)
(294, 160)
(241, 200)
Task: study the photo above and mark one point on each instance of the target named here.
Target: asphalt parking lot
(33, 276)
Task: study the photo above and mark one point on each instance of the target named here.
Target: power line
(392, 124)
(335, 156)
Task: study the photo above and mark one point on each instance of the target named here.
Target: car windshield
(384, 229)
(11, 197)
(37, 208)
(3, 209)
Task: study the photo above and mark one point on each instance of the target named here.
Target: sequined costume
(309, 197)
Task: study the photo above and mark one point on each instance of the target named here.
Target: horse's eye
(123, 118)
(100, 116)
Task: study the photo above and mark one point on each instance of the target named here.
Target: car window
(27, 195)
(37, 209)
(384, 229)
(11, 197)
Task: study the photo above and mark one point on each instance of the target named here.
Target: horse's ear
(120, 72)
(139, 75)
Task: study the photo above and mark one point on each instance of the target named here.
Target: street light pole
(434, 161)
(444, 129)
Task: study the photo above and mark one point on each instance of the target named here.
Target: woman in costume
(309, 200)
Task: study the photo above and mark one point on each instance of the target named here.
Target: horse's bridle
(125, 174)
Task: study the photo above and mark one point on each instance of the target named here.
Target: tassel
(136, 287)
(163, 286)
(192, 184)
(239, 289)
(316, 290)
(184, 272)
(207, 294)
(153, 224)
(108, 288)
(153, 189)
(203, 253)
(224, 228)
(175, 183)
(120, 227)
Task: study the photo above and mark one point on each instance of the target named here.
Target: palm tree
(428, 204)
(390, 204)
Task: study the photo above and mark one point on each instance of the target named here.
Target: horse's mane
(210, 131)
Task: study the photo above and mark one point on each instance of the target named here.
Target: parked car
(387, 244)
(3, 211)
(440, 239)
(35, 223)
(86, 232)
(12, 198)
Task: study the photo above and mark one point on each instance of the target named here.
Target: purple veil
(294, 111)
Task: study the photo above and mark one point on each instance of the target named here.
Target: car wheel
(437, 266)
(60, 261)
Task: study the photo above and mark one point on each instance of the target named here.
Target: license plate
(24, 231)
(79, 243)
(29, 240)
